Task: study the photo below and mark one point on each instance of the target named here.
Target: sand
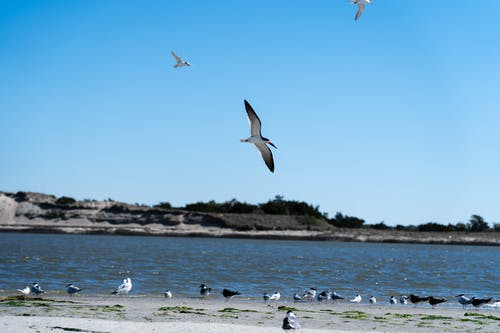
(144, 314)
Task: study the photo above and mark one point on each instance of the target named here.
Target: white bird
(72, 289)
(356, 299)
(168, 294)
(290, 322)
(464, 300)
(257, 139)
(309, 294)
(403, 299)
(372, 300)
(361, 6)
(494, 305)
(123, 288)
(393, 300)
(275, 297)
(36, 289)
(266, 297)
(25, 291)
(180, 62)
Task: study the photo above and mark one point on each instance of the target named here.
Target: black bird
(477, 302)
(435, 301)
(416, 299)
(204, 290)
(290, 322)
(228, 294)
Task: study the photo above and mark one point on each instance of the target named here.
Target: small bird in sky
(361, 6)
(180, 62)
(257, 139)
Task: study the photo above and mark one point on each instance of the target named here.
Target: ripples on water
(99, 263)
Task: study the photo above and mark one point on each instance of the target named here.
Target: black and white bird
(257, 139)
(228, 294)
(356, 299)
(361, 6)
(290, 322)
(179, 61)
(204, 290)
(435, 300)
(309, 295)
(323, 296)
(72, 289)
(266, 297)
(36, 289)
(297, 298)
(334, 296)
(275, 297)
(477, 302)
(403, 299)
(123, 288)
(168, 294)
(464, 300)
(25, 291)
(494, 305)
(393, 300)
(372, 300)
(416, 299)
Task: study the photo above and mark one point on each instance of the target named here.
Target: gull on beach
(257, 139)
(180, 62)
(464, 300)
(25, 291)
(275, 297)
(168, 294)
(36, 289)
(228, 294)
(361, 6)
(334, 296)
(393, 300)
(435, 301)
(477, 302)
(372, 300)
(323, 296)
(310, 294)
(123, 288)
(494, 305)
(403, 299)
(266, 297)
(297, 298)
(290, 322)
(356, 299)
(72, 289)
(416, 299)
(204, 290)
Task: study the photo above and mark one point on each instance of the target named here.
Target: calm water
(99, 263)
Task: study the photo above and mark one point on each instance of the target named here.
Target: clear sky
(394, 117)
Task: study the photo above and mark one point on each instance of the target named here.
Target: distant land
(45, 213)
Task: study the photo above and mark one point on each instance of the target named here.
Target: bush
(380, 226)
(65, 201)
(344, 221)
(433, 226)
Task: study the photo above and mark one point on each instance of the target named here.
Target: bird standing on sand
(372, 300)
(310, 294)
(393, 300)
(72, 289)
(180, 62)
(168, 294)
(257, 139)
(356, 299)
(275, 297)
(123, 288)
(323, 296)
(477, 302)
(361, 6)
(416, 299)
(297, 298)
(334, 296)
(36, 289)
(435, 301)
(25, 291)
(290, 322)
(494, 305)
(403, 299)
(266, 297)
(464, 300)
(204, 290)
(228, 294)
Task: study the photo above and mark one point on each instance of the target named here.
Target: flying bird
(361, 6)
(257, 139)
(25, 291)
(204, 290)
(228, 294)
(290, 322)
(72, 289)
(180, 62)
(123, 288)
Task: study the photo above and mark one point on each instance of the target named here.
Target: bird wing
(177, 58)
(266, 153)
(361, 7)
(253, 119)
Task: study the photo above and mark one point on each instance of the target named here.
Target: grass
(113, 308)
(435, 317)
(181, 309)
(234, 310)
(359, 315)
(286, 308)
(480, 315)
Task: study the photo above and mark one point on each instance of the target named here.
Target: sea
(99, 263)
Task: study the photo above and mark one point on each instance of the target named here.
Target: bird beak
(272, 144)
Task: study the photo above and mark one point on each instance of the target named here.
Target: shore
(131, 314)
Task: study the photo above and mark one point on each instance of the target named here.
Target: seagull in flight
(180, 62)
(361, 6)
(257, 139)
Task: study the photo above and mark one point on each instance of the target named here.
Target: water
(99, 264)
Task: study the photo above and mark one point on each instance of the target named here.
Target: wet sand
(132, 314)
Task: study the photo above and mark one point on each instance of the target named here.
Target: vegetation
(65, 201)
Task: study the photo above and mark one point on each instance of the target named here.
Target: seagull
(356, 299)
(25, 291)
(372, 300)
(297, 298)
(72, 289)
(477, 302)
(494, 305)
(361, 6)
(266, 297)
(323, 296)
(275, 297)
(180, 62)
(204, 290)
(334, 296)
(309, 294)
(464, 300)
(435, 301)
(393, 300)
(290, 322)
(228, 294)
(36, 289)
(403, 299)
(123, 288)
(416, 299)
(168, 294)
(257, 139)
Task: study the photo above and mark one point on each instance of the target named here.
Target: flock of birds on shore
(290, 321)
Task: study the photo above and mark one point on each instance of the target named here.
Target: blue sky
(394, 117)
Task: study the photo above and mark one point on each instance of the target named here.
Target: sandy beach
(133, 314)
